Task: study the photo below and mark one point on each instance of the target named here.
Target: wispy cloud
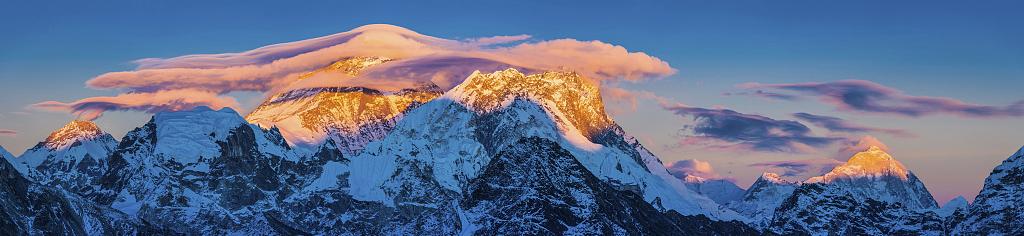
(682, 168)
(93, 107)
(860, 145)
(763, 94)
(8, 133)
(871, 97)
(728, 129)
(837, 124)
(793, 168)
(420, 58)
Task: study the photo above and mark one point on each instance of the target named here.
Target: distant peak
(773, 178)
(76, 130)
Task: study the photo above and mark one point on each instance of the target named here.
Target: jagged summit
(352, 66)
(350, 116)
(872, 163)
(570, 93)
(74, 131)
(773, 178)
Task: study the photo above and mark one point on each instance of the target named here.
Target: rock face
(763, 197)
(28, 208)
(73, 157)
(349, 116)
(199, 171)
(999, 207)
(536, 187)
(870, 194)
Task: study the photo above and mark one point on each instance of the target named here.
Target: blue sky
(969, 52)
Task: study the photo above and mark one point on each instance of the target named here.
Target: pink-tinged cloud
(870, 97)
(8, 133)
(863, 144)
(836, 124)
(169, 100)
(726, 129)
(418, 58)
(618, 100)
(692, 167)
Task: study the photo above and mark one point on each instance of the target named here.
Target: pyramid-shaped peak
(74, 131)
(872, 163)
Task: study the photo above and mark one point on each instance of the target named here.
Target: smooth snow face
(721, 191)
(188, 135)
(877, 175)
(956, 204)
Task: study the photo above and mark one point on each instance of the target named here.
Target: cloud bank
(859, 146)
(870, 97)
(419, 58)
(728, 129)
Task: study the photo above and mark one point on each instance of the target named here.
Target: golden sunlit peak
(73, 131)
(872, 163)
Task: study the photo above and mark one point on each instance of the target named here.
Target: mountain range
(502, 152)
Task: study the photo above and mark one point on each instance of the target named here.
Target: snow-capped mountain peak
(760, 200)
(573, 95)
(872, 163)
(774, 178)
(72, 157)
(350, 116)
(956, 204)
(74, 131)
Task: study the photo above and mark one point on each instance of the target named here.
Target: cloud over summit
(418, 57)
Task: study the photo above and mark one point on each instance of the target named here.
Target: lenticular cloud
(421, 58)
